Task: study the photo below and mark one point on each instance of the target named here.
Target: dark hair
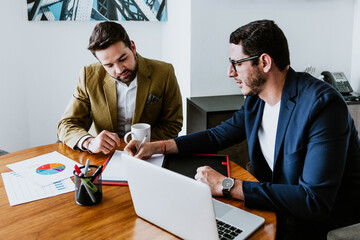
(106, 34)
(263, 36)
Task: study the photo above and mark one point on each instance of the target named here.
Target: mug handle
(126, 136)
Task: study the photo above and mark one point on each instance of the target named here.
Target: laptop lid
(176, 203)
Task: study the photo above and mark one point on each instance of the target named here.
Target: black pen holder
(88, 190)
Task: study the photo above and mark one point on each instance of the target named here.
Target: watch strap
(226, 192)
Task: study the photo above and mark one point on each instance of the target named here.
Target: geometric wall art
(96, 10)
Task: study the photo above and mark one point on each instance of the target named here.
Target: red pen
(77, 169)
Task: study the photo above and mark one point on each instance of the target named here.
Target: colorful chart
(50, 169)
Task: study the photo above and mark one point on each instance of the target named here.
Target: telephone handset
(339, 81)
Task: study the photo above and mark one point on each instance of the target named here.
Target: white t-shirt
(267, 132)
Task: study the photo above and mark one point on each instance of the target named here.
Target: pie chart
(50, 169)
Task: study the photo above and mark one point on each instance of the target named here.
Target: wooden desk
(60, 217)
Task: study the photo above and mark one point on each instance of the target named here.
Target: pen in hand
(141, 144)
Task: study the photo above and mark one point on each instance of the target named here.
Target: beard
(256, 82)
(130, 73)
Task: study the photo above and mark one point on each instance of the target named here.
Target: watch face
(227, 183)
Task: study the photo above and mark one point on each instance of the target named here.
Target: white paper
(19, 190)
(45, 169)
(115, 170)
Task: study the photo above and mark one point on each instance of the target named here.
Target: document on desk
(114, 173)
(45, 169)
(19, 190)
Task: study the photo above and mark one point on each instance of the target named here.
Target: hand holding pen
(144, 150)
(141, 144)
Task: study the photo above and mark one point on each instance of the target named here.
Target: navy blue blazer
(316, 174)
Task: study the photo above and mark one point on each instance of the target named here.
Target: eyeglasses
(233, 63)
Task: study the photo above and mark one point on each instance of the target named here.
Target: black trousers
(291, 229)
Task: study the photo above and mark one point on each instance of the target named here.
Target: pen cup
(88, 191)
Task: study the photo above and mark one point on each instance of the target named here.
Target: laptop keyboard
(227, 231)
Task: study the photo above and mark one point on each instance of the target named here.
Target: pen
(85, 181)
(96, 173)
(77, 169)
(89, 186)
(88, 189)
(141, 144)
(87, 167)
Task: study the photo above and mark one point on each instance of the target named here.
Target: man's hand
(132, 147)
(146, 151)
(105, 142)
(151, 148)
(214, 179)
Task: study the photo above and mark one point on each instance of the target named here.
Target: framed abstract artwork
(96, 10)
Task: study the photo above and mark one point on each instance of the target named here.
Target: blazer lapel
(142, 90)
(111, 99)
(255, 115)
(286, 109)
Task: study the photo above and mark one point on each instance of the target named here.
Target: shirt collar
(133, 83)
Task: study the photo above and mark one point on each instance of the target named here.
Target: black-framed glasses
(233, 63)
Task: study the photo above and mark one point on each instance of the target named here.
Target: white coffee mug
(138, 132)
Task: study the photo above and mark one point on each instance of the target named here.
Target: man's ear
(132, 46)
(266, 62)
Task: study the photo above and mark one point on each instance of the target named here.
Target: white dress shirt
(126, 97)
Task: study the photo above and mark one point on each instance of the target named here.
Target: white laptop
(181, 205)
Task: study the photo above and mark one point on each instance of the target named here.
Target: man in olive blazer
(94, 104)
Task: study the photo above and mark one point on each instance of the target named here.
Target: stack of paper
(114, 172)
(39, 177)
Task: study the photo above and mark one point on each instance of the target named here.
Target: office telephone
(340, 82)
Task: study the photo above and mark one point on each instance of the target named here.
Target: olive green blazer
(93, 106)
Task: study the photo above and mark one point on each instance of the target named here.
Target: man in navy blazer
(303, 145)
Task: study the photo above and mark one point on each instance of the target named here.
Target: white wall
(39, 67)
(355, 67)
(40, 61)
(176, 46)
(319, 33)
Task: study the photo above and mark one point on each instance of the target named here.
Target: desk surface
(60, 217)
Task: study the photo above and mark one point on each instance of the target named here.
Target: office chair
(2, 152)
(351, 232)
